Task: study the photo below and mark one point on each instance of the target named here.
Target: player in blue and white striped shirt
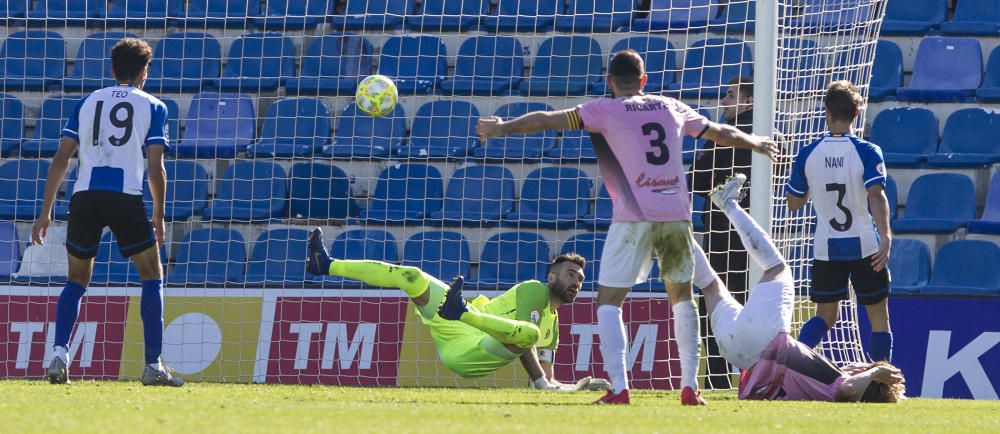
(845, 176)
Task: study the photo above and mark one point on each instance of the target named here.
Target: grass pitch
(101, 406)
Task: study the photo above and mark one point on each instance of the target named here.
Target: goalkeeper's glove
(586, 383)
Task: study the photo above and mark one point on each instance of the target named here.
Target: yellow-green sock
(521, 333)
(377, 273)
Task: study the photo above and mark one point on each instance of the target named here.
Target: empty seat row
(962, 267)
(908, 137)
(941, 203)
(946, 69)
(920, 17)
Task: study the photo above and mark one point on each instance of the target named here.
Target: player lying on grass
(479, 337)
(756, 337)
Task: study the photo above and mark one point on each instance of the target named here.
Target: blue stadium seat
(946, 69)
(990, 90)
(907, 135)
(92, 68)
(575, 146)
(595, 16)
(10, 250)
(231, 14)
(384, 15)
(187, 190)
(519, 146)
(51, 120)
(990, 222)
(443, 254)
(249, 191)
(12, 12)
(938, 203)
(589, 245)
(184, 62)
(690, 15)
(333, 65)
(511, 257)
(293, 127)
(258, 62)
(974, 17)
(111, 268)
(552, 197)
(659, 56)
(490, 66)
(22, 186)
(144, 14)
(321, 191)
(892, 196)
(369, 244)
(288, 15)
(448, 15)
(798, 55)
(710, 64)
(32, 60)
(913, 17)
(361, 136)
(476, 196)
(698, 212)
(564, 65)
(910, 262)
(966, 267)
(887, 71)
(277, 258)
(444, 129)
(829, 15)
(209, 256)
(968, 140)
(417, 64)
(53, 13)
(219, 125)
(739, 16)
(405, 194)
(600, 218)
(11, 124)
(522, 16)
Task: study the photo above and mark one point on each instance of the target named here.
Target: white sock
(704, 275)
(157, 366)
(756, 241)
(61, 353)
(611, 329)
(688, 342)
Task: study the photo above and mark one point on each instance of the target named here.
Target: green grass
(91, 406)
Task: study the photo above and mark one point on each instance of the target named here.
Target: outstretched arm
(728, 135)
(532, 122)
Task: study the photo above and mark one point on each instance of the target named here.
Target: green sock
(377, 273)
(521, 333)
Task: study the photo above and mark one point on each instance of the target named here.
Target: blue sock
(151, 310)
(813, 331)
(67, 308)
(881, 346)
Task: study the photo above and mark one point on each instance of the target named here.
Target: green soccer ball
(376, 95)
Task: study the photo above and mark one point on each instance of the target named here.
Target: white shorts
(627, 257)
(743, 332)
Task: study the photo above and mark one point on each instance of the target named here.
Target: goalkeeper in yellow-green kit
(476, 338)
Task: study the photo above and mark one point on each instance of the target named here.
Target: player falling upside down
(756, 337)
(479, 337)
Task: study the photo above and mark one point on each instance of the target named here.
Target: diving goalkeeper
(476, 338)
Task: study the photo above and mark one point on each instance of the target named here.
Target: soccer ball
(376, 95)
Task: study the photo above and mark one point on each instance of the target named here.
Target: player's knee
(528, 336)
(828, 312)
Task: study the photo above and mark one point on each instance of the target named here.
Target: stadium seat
(187, 190)
(52, 118)
(293, 127)
(92, 68)
(22, 187)
(51, 13)
(11, 124)
(369, 244)
(990, 222)
(710, 64)
(12, 12)
(444, 129)
(361, 136)
(660, 59)
(966, 267)
(383, 15)
(600, 218)
(589, 245)
(887, 71)
(249, 191)
(518, 146)
(32, 60)
(417, 64)
(405, 194)
(10, 250)
(111, 268)
(798, 56)
(443, 254)
(595, 16)
(552, 197)
(913, 17)
(525, 16)
(490, 66)
(974, 17)
(232, 14)
(575, 147)
(738, 17)
(990, 90)
(321, 191)
(448, 15)
(910, 262)
(907, 135)
(564, 65)
(938, 203)
(892, 196)
(509, 258)
(277, 258)
(698, 212)
(258, 62)
(209, 256)
(46, 263)
(184, 62)
(968, 140)
(144, 14)
(690, 15)
(476, 196)
(219, 125)
(828, 15)
(289, 15)
(945, 70)
(333, 65)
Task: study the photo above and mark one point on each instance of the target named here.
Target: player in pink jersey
(637, 138)
(756, 337)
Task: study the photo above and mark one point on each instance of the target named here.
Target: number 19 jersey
(112, 125)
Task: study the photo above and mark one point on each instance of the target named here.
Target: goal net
(266, 143)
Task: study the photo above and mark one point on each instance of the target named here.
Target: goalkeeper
(476, 338)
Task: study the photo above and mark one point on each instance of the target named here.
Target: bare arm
(529, 359)
(57, 171)
(879, 206)
(530, 123)
(157, 187)
(728, 135)
(796, 203)
(852, 389)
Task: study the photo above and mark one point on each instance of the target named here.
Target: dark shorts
(829, 281)
(125, 214)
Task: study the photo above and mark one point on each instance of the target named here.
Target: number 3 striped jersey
(837, 171)
(112, 125)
